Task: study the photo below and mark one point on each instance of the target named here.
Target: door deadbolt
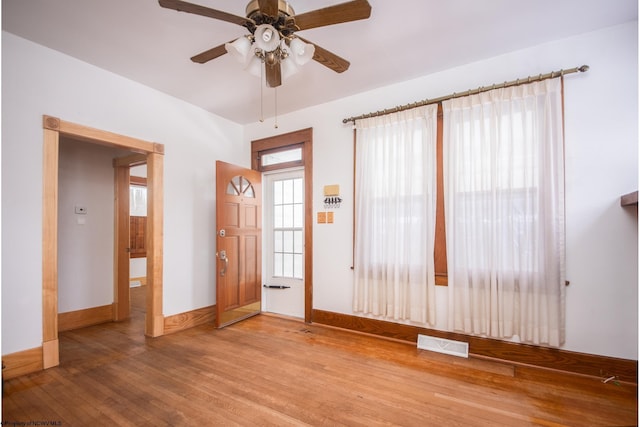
(222, 233)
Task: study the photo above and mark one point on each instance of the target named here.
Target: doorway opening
(292, 151)
(153, 155)
(137, 239)
(283, 234)
(86, 218)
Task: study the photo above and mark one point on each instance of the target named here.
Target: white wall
(137, 267)
(37, 81)
(601, 164)
(85, 240)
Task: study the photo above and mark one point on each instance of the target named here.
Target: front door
(284, 199)
(238, 243)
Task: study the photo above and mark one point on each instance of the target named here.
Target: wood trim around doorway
(54, 128)
(304, 137)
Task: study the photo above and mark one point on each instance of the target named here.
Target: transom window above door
(282, 158)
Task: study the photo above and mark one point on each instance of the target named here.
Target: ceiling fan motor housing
(284, 8)
(283, 22)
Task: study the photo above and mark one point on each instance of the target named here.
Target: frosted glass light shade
(288, 67)
(254, 66)
(266, 37)
(301, 52)
(240, 49)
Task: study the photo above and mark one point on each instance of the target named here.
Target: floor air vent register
(441, 345)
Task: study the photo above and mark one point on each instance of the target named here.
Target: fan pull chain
(262, 78)
(275, 92)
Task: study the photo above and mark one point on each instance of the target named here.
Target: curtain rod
(481, 89)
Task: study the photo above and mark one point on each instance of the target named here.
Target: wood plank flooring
(273, 371)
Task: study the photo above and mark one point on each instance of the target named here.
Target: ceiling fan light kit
(272, 25)
(267, 38)
(302, 52)
(271, 50)
(240, 48)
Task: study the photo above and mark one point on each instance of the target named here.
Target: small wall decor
(325, 217)
(332, 198)
(329, 217)
(322, 217)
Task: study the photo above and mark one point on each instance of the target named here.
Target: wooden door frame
(53, 128)
(304, 137)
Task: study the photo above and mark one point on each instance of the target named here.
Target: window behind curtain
(504, 213)
(395, 215)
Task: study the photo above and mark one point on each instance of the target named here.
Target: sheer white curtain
(504, 213)
(395, 215)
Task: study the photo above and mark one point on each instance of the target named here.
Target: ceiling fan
(272, 25)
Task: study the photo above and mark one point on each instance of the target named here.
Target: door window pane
(288, 223)
(277, 241)
(288, 241)
(287, 215)
(298, 215)
(288, 265)
(298, 193)
(297, 242)
(277, 264)
(277, 193)
(239, 185)
(278, 216)
(287, 191)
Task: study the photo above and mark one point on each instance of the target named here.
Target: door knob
(223, 257)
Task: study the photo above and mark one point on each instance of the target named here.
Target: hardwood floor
(273, 371)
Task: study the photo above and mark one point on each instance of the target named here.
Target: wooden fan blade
(343, 12)
(183, 6)
(328, 59)
(210, 54)
(269, 7)
(274, 75)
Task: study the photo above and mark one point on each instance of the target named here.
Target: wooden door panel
(252, 285)
(239, 243)
(251, 216)
(230, 281)
(232, 215)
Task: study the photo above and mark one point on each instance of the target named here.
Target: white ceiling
(402, 40)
